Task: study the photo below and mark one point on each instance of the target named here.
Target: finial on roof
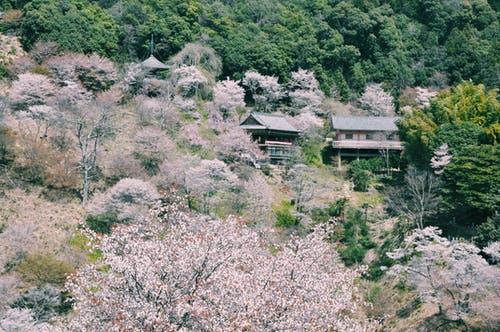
(151, 46)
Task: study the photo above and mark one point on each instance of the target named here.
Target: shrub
(284, 216)
(354, 237)
(360, 172)
(352, 254)
(334, 209)
(361, 179)
(43, 302)
(102, 223)
(41, 269)
(488, 232)
(127, 200)
(16, 320)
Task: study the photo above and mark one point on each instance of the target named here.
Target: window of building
(369, 136)
(348, 136)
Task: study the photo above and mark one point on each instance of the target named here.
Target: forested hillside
(345, 43)
(131, 199)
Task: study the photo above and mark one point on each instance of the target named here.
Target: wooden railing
(367, 144)
(279, 150)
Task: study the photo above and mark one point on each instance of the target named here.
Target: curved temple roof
(153, 63)
(268, 121)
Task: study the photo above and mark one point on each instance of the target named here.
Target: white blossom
(182, 271)
(424, 97)
(266, 90)
(304, 93)
(376, 100)
(440, 159)
(450, 274)
(228, 96)
(493, 251)
(188, 79)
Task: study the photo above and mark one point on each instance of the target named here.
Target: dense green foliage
(467, 119)
(42, 269)
(75, 25)
(465, 115)
(284, 216)
(102, 223)
(346, 43)
(334, 210)
(361, 172)
(353, 237)
(470, 184)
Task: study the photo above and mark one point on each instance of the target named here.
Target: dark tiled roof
(269, 121)
(370, 123)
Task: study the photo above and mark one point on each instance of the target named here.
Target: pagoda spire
(151, 46)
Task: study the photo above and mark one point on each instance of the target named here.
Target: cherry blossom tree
(424, 96)
(93, 72)
(189, 80)
(235, 145)
(493, 251)
(158, 110)
(183, 271)
(450, 274)
(299, 179)
(208, 181)
(265, 90)
(259, 199)
(43, 50)
(440, 159)
(304, 91)
(189, 134)
(376, 100)
(30, 90)
(184, 104)
(151, 147)
(228, 96)
(126, 199)
(15, 240)
(20, 320)
(174, 174)
(91, 125)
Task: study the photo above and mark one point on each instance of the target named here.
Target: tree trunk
(85, 185)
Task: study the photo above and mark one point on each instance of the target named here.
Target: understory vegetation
(131, 199)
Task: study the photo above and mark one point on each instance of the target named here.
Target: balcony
(279, 149)
(367, 144)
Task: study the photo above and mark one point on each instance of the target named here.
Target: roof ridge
(268, 114)
(365, 116)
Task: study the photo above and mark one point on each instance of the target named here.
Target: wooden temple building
(274, 135)
(355, 137)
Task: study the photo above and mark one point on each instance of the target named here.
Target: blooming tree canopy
(376, 100)
(189, 80)
(30, 90)
(440, 159)
(305, 94)
(228, 96)
(182, 271)
(266, 90)
(235, 145)
(450, 274)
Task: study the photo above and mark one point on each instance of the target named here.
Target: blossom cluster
(185, 271)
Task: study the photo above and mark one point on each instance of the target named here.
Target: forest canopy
(346, 43)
